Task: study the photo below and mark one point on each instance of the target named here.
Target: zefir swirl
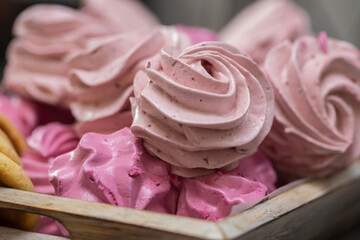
(102, 75)
(317, 90)
(45, 34)
(202, 109)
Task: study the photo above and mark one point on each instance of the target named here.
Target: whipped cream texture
(204, 108)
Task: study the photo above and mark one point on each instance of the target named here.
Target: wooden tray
(313, 210)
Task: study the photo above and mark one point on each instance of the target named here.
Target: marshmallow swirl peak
(202, 109)
(45, 34)
(316, 129)
(102, 74)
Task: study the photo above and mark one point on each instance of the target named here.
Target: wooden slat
(13, 234)
(88, 220)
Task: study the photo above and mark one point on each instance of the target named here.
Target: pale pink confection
(46, 143)
(114, 169)
(51, 29)
(212, 197)
(316, 129)
(45, 34)
(120, 16)
(20, 111)
(102, 75)
(198, 34)
(202, 109)
(264, 24)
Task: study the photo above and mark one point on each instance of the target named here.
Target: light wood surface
(311, 210)
(87, 220)
(13, 234)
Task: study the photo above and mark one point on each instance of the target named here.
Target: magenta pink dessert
(263, 25)
(198, 34)
(45, 34)
(101, 75)
(48, 113)
(46, 143)
(316, 130)
(114, 169)
(19, 111)
(192, 107)
(212, 197)
(257, 168)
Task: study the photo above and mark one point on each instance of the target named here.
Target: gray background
(340, 18)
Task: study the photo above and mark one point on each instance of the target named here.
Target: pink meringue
(20, 112)
(212, 197)
(42, 78)
(102, 74)
(316, 129)
(45, 34)
(193, 109)
(46, 143)
(55, 29)
(265, 24)
(114, 169)
(120, 16)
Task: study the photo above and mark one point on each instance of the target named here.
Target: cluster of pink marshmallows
(120, 109)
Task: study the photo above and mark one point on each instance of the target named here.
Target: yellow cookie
(7, 148)
(13, 176)
(4, 135)
(15, 136)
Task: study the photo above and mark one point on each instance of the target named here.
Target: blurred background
(340, 19)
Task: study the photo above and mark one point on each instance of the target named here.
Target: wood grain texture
(311, 210)
(13, 234)
(87, 220)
